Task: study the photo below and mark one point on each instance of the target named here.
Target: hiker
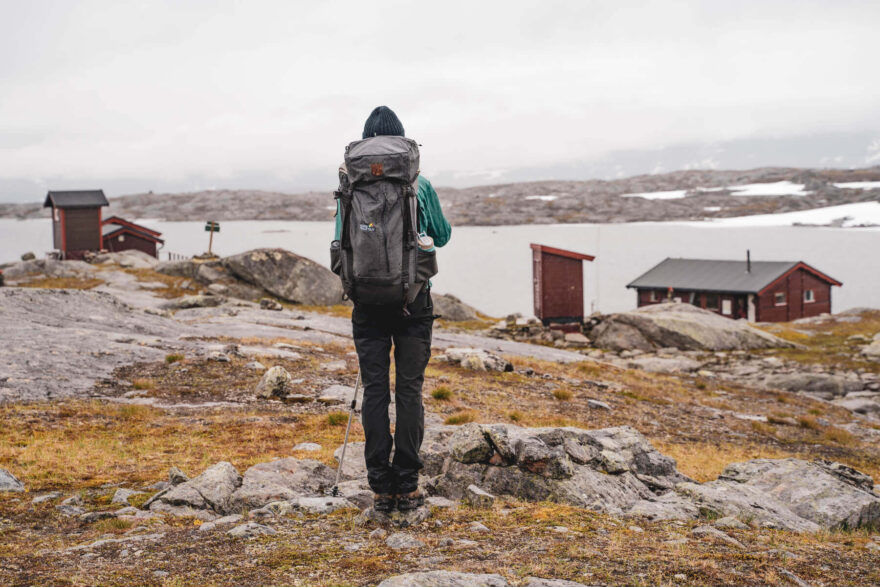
(387, 214)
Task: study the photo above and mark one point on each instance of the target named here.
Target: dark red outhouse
(558, 282)
(76, 221)
(119, 234)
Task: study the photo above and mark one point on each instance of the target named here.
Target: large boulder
(681, 326)
(287, 276)
(8, 482)
(453, 309)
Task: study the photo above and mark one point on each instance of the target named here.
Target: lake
(490, 267)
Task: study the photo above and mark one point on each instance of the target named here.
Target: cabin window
(653, 297)
(712, 302)
(694, 299)
(121, 238)
(56, 215)
(809, 296)
(779, 298)
(726, 307)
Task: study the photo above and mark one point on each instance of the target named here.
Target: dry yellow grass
(86, 444)
(705, 461)
(62, 283)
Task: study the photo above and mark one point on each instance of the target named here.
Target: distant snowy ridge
(777, 188)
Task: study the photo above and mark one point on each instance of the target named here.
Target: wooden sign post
(212, 227)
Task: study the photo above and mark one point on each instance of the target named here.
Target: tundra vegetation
(190, 410)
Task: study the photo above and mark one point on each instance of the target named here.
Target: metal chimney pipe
(748, 261)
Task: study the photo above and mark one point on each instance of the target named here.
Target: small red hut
(76, 221)
(558, 282)
(119, 234)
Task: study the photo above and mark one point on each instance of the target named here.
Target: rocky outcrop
(8, 482)
(48, 268)
(828, 494)
(279, 480)
(607, 470)
(873, 349)
(206, 497)
(453, 309)
(680, 326)
(287, 276)
(220, 490)
(617, 471)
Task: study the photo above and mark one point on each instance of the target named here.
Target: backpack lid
(382, 158)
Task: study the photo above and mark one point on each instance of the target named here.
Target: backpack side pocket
(426, 265)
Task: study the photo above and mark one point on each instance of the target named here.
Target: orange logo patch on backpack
(376, 169)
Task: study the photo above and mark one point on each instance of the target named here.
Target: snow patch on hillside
(670, 195)
(845, 215)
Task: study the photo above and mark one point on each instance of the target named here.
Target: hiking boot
(410, 501)
(384, 503)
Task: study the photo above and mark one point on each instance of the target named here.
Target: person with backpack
(388, 223)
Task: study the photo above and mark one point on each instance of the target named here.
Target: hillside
(686, 195)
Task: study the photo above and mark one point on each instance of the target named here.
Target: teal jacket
(431, 219)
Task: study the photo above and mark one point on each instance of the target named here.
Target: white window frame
(726, 307)
(776, 301)
(653, 296)
(811, 298)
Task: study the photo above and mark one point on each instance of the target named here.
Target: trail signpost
(212, 227)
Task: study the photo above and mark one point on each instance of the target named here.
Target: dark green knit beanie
(383, 122)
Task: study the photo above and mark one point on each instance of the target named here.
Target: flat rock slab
(251, 530)
(395, 519)
(403, 541)
(444, 579)
(57, 342)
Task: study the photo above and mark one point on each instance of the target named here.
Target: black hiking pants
(375, 328)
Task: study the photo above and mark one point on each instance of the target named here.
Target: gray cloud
(113, 92)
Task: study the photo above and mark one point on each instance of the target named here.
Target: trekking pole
(335, 491)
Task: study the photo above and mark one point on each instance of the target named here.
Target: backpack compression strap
(408, 196)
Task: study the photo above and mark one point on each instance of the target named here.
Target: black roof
(713, 275)
(76, 199)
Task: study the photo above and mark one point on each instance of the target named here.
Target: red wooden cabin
(76, 221)
(759, 291)
(558, 282)
(119, 234)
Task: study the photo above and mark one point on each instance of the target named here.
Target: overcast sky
(194, 94)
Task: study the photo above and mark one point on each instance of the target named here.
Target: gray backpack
(377, 256)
